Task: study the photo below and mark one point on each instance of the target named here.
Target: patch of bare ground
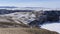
(12, 31)
(25, 31)
(40, 31)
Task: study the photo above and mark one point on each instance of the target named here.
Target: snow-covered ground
(52, 27)
(23, 17)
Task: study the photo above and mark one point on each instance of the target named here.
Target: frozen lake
(52, 27)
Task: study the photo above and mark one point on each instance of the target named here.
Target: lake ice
(52, 27)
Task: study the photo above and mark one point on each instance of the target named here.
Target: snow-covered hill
(18, 16)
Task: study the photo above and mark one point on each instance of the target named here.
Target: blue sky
(31, 3)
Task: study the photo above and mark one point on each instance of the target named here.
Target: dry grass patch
(40, 31)
(25, 31)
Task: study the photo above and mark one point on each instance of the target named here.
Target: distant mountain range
(8, 7)
(27, 8)
(17, 7)
(21, 8)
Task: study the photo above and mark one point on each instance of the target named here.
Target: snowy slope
(25, 18)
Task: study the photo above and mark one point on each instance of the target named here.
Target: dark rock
(52, 15)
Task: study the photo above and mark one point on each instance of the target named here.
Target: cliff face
(52, 15)
(45, 17)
